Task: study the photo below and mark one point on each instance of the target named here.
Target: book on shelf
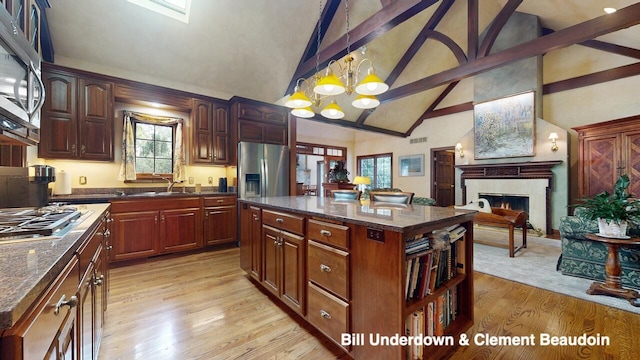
(456, 233)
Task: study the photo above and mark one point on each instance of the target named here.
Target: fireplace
(506, 201)
(532, 180)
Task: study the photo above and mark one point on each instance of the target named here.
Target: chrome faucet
(170, 183)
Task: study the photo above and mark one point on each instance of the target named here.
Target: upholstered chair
(345, 194)
(395, 197)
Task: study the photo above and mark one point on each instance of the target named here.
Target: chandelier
(317, 90)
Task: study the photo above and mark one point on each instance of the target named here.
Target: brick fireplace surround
(525, 177)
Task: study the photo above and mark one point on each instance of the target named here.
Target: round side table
(612, 285)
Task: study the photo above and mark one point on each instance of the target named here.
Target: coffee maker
(25, 187)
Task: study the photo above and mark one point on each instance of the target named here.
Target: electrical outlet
(190, 180)
(83, 180)
(210, 180)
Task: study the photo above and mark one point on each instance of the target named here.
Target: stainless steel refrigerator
(263, 170)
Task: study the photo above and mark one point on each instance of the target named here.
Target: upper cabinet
(77, 118)
(260, 122)
(28, 17)
(211, 133)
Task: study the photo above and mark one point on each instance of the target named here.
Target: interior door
(444, 177)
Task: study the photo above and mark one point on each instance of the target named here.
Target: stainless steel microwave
(21, 86)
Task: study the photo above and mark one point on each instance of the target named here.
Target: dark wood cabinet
(251, 241)
(284, 258)
(135, 235)
(50, 328)
(211, 133)
(220, 220)
(260, 122)
(147, 227)
(606, 151)
(77, 118)
(180, 229)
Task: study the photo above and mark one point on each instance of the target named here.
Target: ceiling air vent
(418, 140)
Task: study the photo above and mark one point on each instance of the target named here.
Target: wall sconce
(553, 137)
(460, 150)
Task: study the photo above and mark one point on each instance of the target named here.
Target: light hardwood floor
(202, 306)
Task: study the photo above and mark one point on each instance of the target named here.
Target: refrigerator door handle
(264, 169)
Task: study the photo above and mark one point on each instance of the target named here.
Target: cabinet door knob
(107, 233)
(83, 149)
(109, 247)
(325, 233)
(98, 281)
(325, 268)
(279, 220)
(71, 303)
(325, 314)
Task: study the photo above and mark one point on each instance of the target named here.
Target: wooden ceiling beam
(431, 24)
(612, 48)
(587, 30)
(592, 79)
(472, 29)
(496, 26)
(375, 26)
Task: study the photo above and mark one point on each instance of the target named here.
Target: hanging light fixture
(313, 92)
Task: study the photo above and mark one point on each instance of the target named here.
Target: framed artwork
(505, 127)
(412, 165)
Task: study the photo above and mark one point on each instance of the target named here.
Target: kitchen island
(45, 283)
(344, 267)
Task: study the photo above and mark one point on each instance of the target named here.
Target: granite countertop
(107, 197)
(28, 267)
(393, 217)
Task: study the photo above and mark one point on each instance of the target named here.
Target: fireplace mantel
(521, 170)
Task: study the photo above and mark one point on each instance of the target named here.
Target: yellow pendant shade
(330, 84)
(371, 85)
(305, 112)
(365, 102)
(333, 111)
(298, 100)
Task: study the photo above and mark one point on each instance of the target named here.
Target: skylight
(176, 9)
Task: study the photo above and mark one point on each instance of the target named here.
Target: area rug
(534, 266)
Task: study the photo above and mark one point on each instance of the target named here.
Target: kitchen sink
(153, 193)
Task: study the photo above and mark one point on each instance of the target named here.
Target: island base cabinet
(328, 313)
(50, 329)
(284, 266)
(251, 241)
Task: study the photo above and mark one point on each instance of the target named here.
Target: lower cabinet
(50, 328)
(147, 227)
(220, 220)
(251, 241)
(284, 258)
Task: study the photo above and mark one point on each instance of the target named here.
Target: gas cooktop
(17, 223)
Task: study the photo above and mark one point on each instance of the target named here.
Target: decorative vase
(612, 228)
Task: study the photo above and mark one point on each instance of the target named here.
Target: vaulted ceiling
(425, 50)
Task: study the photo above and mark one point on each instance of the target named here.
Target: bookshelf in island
(369, 276)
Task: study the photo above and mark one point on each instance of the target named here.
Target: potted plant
(612, 211)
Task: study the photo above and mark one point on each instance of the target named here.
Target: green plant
(618, 206)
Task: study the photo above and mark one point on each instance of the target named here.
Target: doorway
(443, 176)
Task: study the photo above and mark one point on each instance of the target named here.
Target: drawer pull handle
(220, 201)
(71, 303)
(279, 220)
(325, 233)
(325, 314)
(325, 268)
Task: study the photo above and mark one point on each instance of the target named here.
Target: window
(377, 168)
(154, 148)
(176, 9)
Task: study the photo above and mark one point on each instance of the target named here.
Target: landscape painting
(505, 127)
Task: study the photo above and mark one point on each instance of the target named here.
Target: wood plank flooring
(202, 306)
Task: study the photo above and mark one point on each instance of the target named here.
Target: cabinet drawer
(329, 268)
(291, 223)
(42, 324)
(219, 201)
(327, 313)
(332, 234)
